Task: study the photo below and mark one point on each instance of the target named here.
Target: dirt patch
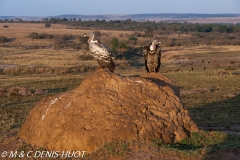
(108, 107)
(3, 66)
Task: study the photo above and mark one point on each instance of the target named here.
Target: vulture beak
(159, 43)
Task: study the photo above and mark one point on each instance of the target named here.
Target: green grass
(198, 146)
(210, 108)
(205, 143)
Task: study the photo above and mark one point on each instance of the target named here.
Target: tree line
(130, 25)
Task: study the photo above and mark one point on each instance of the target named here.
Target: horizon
(123, 14)
(107, 7)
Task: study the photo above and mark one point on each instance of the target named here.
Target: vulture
(152, 56)
(101, 53)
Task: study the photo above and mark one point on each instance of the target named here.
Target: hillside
(165, 17)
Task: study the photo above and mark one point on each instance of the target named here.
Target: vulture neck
(91, 37)
(154, 45)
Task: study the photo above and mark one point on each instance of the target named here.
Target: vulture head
(154, 44)
(90, 35)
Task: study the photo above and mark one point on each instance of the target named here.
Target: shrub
(47, 25)
(5, 26)
(45, 36)
(77, 46)
(97, 33)
(137, 34)
(64, 41)
(114, 44)
(122, 47)
(35, 47)
(64, 37)
(83, 39)
(133, 39)
(3, 39)
(86, 57)
(35, 35)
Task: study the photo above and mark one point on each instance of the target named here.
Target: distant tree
(206, 28)
(53, 20)
(149, 32)
(64, 20)
(230, 29)
(58, 20)
(220, 28)
(20, 20)
(47, 25)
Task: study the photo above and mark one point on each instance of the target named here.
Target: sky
(96, 7)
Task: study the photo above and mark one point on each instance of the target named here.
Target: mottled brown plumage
(101, 53)
(152, 56)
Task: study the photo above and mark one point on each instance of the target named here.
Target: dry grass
(41, 57)
(20, 31)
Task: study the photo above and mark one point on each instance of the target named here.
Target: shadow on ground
(218, 116)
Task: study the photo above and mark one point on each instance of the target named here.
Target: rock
(223, 73)
(233, 73)
(109, 107)
(195, 91)
(3, 91)
(19, 91)
(40, 91)
(228, 95)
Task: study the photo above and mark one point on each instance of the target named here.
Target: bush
(35, 35)
(45, 36)
(3, 39)
(64, 41)
(47, 25)
(5, 26)
(137, 34)
(114, 44)
(64, 37)
(83, 39)
(122, 47)
(35, 47)
(97, 33)
(133, 39)
(86, 57)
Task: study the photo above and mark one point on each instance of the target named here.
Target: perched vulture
(152, 56)
(101, 53)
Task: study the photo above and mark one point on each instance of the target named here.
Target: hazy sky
(83, 7)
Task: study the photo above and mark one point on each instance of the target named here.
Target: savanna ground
(212, 96)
